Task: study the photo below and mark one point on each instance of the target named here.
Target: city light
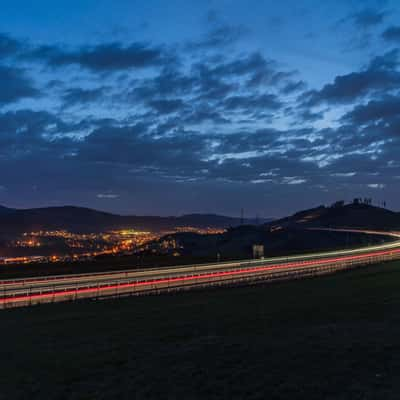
(64, 246)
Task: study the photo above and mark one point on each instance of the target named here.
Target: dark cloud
(254, 67)
(294, 86)
(364, 22)
(362, 164)
(208, 90)
(272, 169)
(133, 146)
(15, 85)
(31, 134)
(164, 106)
(252, 103)
(9, 46)
(218, 37)
(104, 57)
(386, 61)
(375, 110)
(282, 158)
(247, 141)
(170, 82)
(75, 96)
(219, 34)
(376, 121)
(368, 17)
(204, 113)
(212, 86)
(392, 34)
(380, 75)
(309, 116)
(195, 121)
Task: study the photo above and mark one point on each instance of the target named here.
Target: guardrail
(248, 274)
(128, 272)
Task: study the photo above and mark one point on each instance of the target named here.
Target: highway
(31, 291)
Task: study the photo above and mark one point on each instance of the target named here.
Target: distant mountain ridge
(6, 210)
(80, 219)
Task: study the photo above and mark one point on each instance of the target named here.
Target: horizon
(238, 216)
(138, 215)
(211, 106)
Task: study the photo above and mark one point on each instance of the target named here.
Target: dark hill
(291, 235)
(351, 216)
(79, 219)
(237, 242)
(6, 210)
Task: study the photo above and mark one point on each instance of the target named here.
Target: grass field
(334, 337)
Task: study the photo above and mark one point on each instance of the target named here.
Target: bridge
(31, 291)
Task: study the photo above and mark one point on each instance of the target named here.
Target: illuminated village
(62, 246)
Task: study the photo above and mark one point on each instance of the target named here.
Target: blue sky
(171, 107)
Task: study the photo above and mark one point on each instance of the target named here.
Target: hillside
(237, 242)
(79, 219)
(6, 210)
(291, 235)
(350, 215)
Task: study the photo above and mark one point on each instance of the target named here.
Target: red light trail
(175, 279)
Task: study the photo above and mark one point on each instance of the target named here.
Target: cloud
(380, 75)
(169, 82)
(75, 96)
(254, 66)
(294, 86)
(103, 57)
(364, 22)
(205, 120)
(252, 103)
(309, 116)
(141, 151)
(375, 110)
(376, 185)
(27, 133)
(220, 36)
(166, 106)
(368, 18)
(212, 86)
(15, 85)
(107, 196)
(9, 46)
(392, 34)
(204, 113)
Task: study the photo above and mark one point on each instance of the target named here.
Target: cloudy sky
(170, 107)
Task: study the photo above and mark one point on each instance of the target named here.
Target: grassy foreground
(335, 337)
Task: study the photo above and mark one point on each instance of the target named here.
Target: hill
(291, 235)
(6, 210)
(355, 215)
(237, 242)
(79, 219)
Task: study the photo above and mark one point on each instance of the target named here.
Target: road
(24, 292)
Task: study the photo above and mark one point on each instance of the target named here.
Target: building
(258, 251)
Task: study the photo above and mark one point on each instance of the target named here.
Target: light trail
(56, 292)
(198, 267)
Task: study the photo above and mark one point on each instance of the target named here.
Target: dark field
(335, 337)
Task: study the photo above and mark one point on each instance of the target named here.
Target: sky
(174, 107)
